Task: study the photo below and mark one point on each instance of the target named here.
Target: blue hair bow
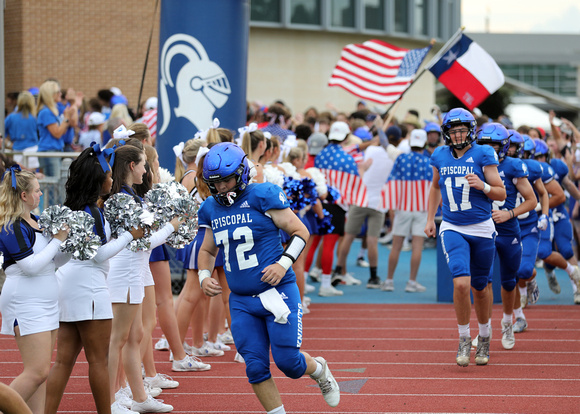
(15, 168)
(102, 156)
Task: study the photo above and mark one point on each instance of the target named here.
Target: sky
(521, 16)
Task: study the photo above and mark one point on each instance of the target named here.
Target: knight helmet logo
(201, 85)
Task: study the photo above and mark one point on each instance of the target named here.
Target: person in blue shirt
(21, 128)
(433, 131)
(561, 234)
(29, 300)
(530, 223)
(51, 127)
(266, 311)
(514, 174)
(466, 179)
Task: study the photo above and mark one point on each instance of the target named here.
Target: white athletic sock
(507, 318)
(318, 372)
(278, 410)
(464, 330)
(519, 313)
(574, 287)
(484, 330)
(325, 281)
(523, 291)
(569, 269)
(362, 253)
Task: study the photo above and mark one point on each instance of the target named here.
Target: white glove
(543, 222)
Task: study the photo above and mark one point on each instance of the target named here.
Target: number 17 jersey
(462, 204)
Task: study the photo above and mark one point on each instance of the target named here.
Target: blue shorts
(468, 256)
(255, 332)
(509, 250)
(530, 236)
(546, 238)
(189, 254)
(563, 234)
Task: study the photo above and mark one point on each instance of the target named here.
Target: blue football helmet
(495, 133)
(458, 116)
(529, 147)
(541, 149)
(517, 140)
(222, 162)
(433, 127)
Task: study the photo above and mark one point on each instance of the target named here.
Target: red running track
(386, 358)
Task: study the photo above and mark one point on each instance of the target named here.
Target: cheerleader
(84, 299)
(29, 300)
(126, 284)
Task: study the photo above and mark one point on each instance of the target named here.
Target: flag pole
(435, 58)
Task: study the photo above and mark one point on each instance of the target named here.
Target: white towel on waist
(272, 301)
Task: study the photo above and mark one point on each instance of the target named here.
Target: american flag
(150, 119)
(341, 172)
(410, 182)
(376, 70)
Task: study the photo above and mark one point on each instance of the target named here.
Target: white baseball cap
(418, 138)
(338, 131)
(96, 118)
(151, 103)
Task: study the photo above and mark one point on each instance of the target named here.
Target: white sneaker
(349, 280)
(190, 363)
(413, 287)
(149, 390)
(306, 300)
(226, 337)
(388, 285)
(239, 358)
(206, 351)
(161, 381)
(122, 399)
(407, 246)
(305, 310)
(327, 384)
(308, 288)
(508, 340)
(162, 344)
(219, 345)
(188, 348)
(315, 273)
(330, 291)
(361, 262)
(117, 408)
(151, 405)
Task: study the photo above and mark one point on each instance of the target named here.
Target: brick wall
(87, 45)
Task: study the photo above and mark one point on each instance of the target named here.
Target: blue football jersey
(463, 204)
(510, 169)
(535, 172)
(247, 235)
(560, 172)
(548, 173)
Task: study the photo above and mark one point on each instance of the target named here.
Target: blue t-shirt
(462, 204)
(17, 241)
(46, 141)
(535, 172)
(510, 169)
(21, 130)
(248, 237)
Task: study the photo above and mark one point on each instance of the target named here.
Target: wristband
(486, 188)
(511, 214)
(202, 275)
(285, 262)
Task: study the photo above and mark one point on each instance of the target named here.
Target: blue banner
(203, 53)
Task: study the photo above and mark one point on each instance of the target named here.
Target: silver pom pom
(168, 200)
(124, 213)
(54, 219)
(82, 242)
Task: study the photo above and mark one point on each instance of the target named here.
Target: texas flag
(468, 71)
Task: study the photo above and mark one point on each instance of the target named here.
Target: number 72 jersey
(462, 204)
(247, 235)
